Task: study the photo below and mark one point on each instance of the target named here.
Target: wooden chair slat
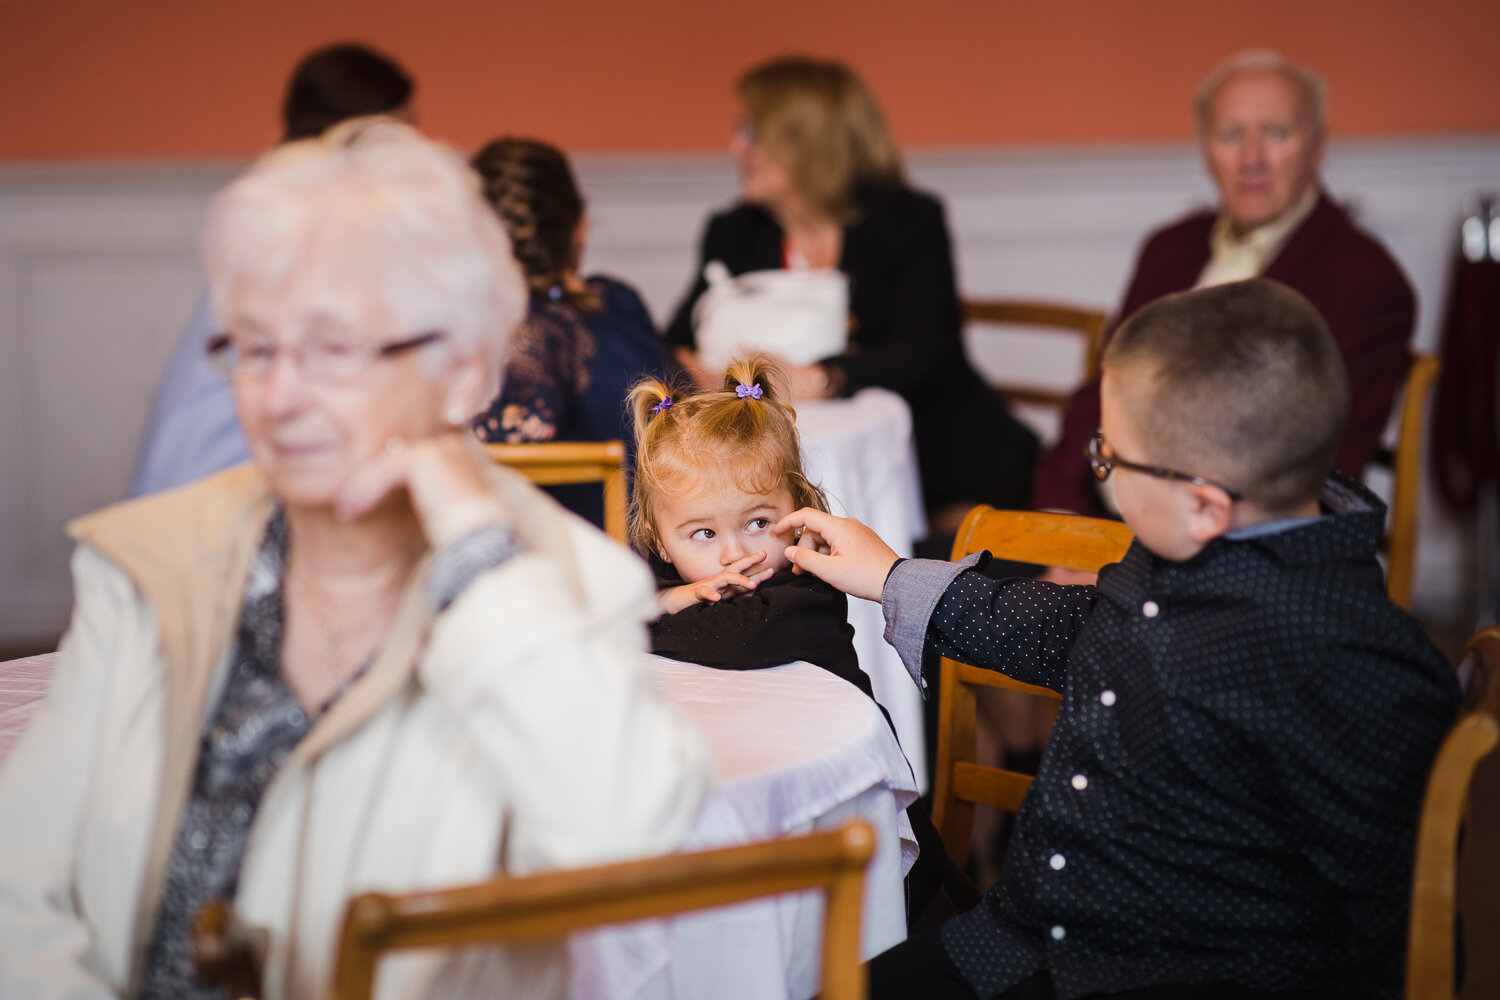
(554, 904)
(561, 463)
(1079, 543)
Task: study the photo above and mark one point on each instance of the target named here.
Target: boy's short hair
(1242, 382)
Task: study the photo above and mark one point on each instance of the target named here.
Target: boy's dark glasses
(1102, 465)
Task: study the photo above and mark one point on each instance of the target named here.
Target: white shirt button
(1057, 861)
(1106, 697)
(1150, 609)
(1080, 781)
(1058, 933)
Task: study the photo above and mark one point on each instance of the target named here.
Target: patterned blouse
(254, 729)
(257, 724)
(567, 374)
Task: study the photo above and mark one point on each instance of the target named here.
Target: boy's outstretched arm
(840, 551)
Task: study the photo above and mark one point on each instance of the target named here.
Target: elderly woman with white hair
(367, 659)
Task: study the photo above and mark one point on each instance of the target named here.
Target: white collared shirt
(1239, 258)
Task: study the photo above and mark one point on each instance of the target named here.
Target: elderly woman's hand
(442, 475)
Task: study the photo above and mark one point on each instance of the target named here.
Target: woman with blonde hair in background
(822, 186)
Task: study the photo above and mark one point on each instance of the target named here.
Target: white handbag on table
(801, 316)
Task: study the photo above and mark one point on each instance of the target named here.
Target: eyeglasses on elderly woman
(320, 359)
(1102, 465)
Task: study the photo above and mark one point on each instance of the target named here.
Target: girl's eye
(702, 535)
(759, 524)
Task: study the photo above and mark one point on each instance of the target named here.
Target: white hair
(1314, 90)
(385, 214)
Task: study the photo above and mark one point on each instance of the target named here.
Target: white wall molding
(98, 272)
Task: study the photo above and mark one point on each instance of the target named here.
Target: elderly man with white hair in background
(1261, 123)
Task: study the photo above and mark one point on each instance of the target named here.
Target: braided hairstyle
(714, 436)
(531, 187)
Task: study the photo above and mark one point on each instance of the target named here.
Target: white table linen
(860, 451)
(23, 686)
(795, 749)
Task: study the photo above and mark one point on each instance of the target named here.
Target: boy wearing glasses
(1228, 803)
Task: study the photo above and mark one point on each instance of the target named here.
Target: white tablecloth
(795, 749)
(860, 451)
(23, 685)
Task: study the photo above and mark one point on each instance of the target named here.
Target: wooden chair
(552, 905)
(558, 463)
(1430, 941)
(1065, 540)
(1087, 323)
(1405, 461)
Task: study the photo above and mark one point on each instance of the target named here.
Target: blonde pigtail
(646, 403)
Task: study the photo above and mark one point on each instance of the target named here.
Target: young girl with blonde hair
(715, 470)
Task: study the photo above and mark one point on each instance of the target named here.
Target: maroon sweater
(1351, 279)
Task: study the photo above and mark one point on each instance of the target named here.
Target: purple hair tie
(748, 391)
(666, 401)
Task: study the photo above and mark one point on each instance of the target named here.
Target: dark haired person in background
(584, 341)
(192, 430)
(343, 81)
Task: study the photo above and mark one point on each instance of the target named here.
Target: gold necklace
(332, 622)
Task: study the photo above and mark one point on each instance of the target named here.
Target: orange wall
(152, 79)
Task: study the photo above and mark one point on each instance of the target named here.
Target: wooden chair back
(1052, 317)
(1430, 932)
(1065, 540)
(1406, 460)
(560, 463)
(551, 905)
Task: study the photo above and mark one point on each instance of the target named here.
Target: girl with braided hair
(584, 340)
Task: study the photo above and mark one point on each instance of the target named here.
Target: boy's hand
(732, 579)
(840, 551)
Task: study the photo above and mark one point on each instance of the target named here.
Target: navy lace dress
(567, 374)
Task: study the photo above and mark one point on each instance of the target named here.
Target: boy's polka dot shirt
(1231, 790)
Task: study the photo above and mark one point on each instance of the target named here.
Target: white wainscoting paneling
(98, 272)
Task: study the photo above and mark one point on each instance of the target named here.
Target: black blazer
(902, 295)
(905, 334)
